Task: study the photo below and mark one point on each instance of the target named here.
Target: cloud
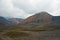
(8, 9)
(25, 8)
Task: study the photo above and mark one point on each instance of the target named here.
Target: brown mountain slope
(43, 17)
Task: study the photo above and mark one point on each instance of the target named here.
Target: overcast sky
(25, 8)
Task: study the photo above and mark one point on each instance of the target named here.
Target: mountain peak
(43, 13)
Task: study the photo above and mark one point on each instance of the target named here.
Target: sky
(26, 8)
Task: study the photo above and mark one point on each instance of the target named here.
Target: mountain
(42, 17)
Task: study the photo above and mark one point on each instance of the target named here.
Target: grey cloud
(8, 9)
(38, 6)
(25, 5)
(25, 8)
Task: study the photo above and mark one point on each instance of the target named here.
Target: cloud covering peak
(25, 8)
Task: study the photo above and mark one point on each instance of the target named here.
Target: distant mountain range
(56, 19)
(8, 22)
(15, 20)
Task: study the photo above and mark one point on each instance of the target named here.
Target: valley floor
(30, 35)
